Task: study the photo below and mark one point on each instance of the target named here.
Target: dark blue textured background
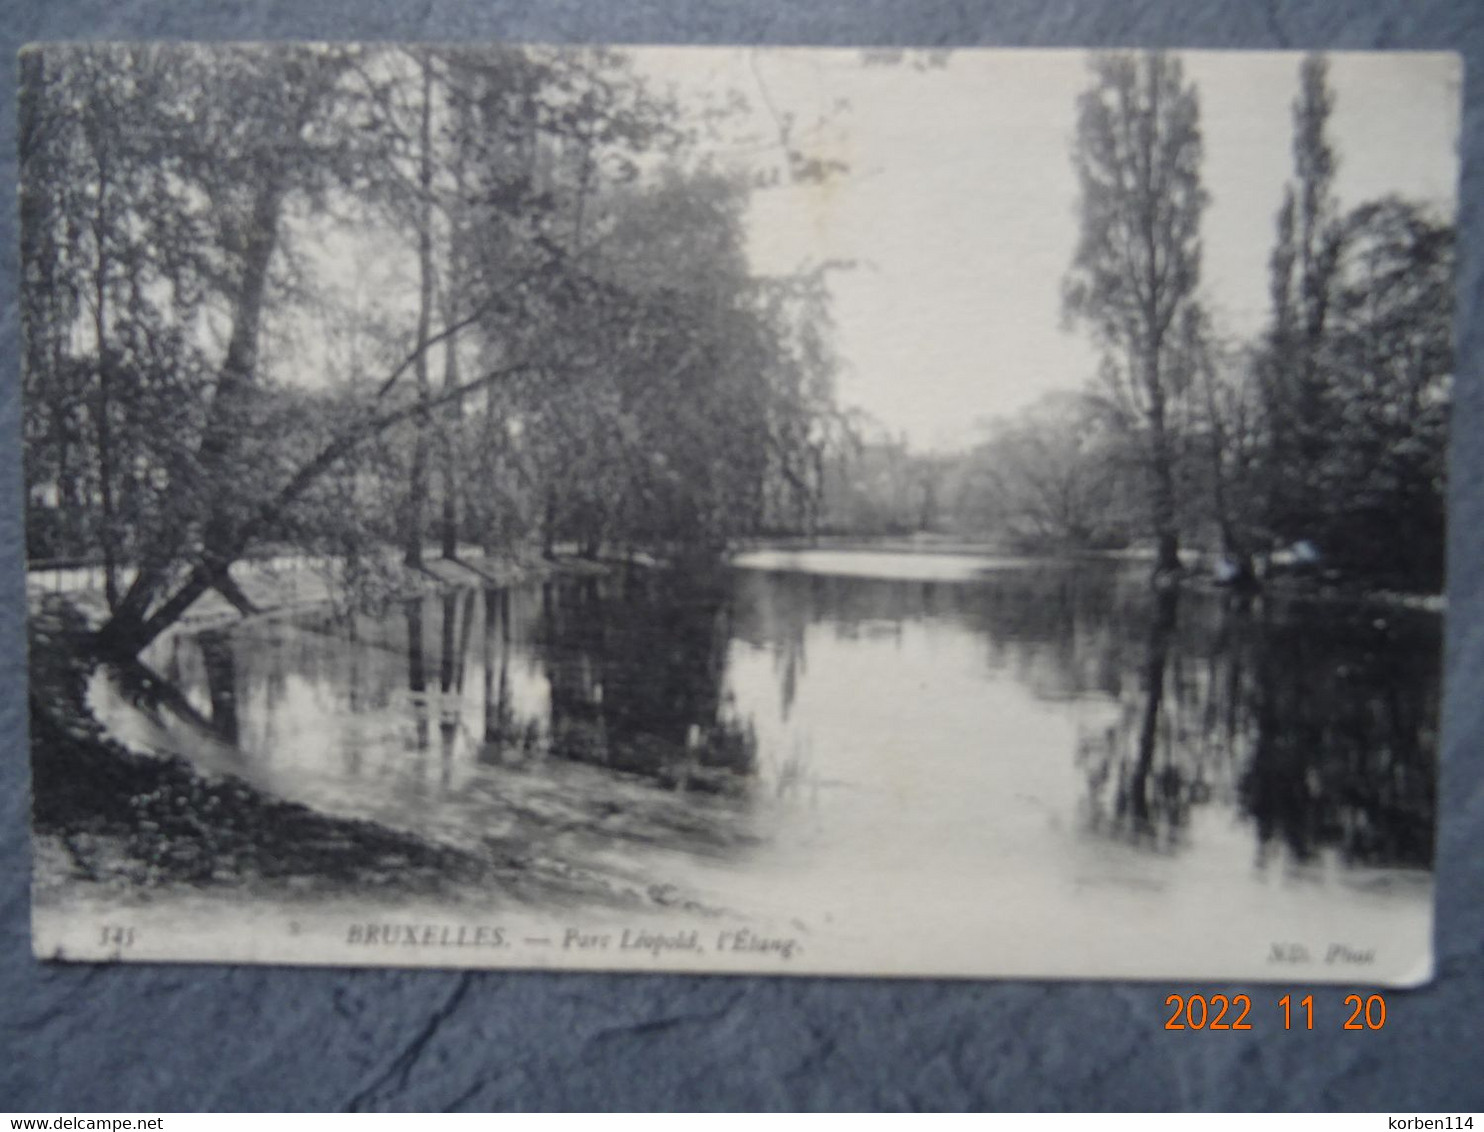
(165, 1038)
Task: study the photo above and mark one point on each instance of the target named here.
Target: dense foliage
(1326, 433)
(346, 299)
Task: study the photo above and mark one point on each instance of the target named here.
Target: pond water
(935, 763)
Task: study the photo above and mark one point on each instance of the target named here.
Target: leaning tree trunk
(128, 639)
(216, 455)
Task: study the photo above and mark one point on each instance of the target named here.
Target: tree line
(340, 299)
(1327, 432)
(1324, 435)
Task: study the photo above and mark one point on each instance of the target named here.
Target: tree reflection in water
(1312, 721)
(417, 678)
(637, 668)
(1342, 735)
(219, 658)
(1126, 789)
(502, 735)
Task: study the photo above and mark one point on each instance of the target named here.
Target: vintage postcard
(911, 512)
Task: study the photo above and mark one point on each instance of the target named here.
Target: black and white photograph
(882, 512)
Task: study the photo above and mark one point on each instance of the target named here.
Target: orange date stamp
(1235, 1012)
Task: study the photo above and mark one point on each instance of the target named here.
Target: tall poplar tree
(1301, 284)
(1137, 267)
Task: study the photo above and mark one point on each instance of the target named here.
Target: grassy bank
(145, 821)
(107, 815)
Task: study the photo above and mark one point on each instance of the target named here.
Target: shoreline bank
(136, 822)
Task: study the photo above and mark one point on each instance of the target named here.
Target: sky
(960, 206)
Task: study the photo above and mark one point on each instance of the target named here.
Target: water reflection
(922, 722)
(501, 733)
(1342, 735)
(220, 661)
(637, 668)
(1316, 721)
(1124, 789)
